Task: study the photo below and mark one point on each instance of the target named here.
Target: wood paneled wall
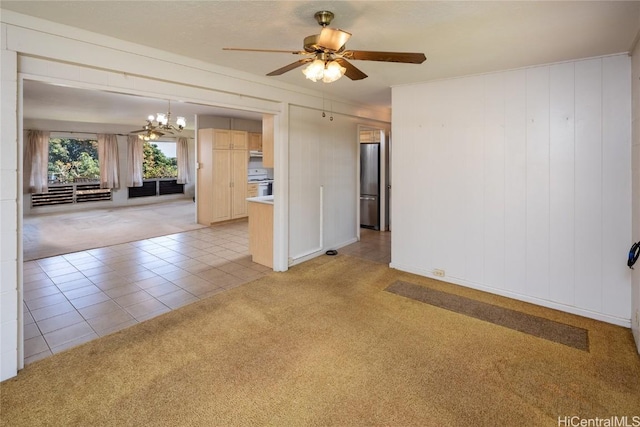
(519, 183)
(323, 159)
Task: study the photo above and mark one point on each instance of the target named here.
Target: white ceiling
(458, 38)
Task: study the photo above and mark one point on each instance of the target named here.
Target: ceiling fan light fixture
(328, 71)
(333, 72)
(314, 71)
(149, 136)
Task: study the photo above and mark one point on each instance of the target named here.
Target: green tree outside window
(71, 158)
(156, 164)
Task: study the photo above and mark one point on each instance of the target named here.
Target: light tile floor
(74, 298)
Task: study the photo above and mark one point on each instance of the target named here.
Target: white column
(9, 301)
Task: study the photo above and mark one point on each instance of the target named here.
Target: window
(159, 160)
(159, 166)
(73, 160)
(74, 174)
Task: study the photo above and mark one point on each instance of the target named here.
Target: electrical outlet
(438, 272)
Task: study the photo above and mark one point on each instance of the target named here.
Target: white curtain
(182, 155)
(36, 161)
(135, 158)
(108, 158)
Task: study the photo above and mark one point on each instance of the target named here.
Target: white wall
(519, 183)
(635, 289)
(73, 57)
(322, 181)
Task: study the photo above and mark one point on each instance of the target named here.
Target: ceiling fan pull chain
(323, 113)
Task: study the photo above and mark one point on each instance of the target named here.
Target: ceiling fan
(147, 132)
(327, 56)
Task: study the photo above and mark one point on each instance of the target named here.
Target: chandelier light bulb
(151, 118)
(162, 119)
(181, 122)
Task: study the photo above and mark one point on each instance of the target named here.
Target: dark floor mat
(533, 325)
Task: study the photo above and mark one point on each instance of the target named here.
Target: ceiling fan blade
(295, 52)
(290, 67)
(333, 39)
(352, 72)
(138, 131)
(366, 55)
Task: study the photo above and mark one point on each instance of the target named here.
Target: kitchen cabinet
(261, 230)
(228, 139)
(369, 136)
(255, 141)
(252, 190)
(222, 175)
(267, 141)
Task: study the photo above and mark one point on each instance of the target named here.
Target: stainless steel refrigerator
(370, 185)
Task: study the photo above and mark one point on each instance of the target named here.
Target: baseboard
(517, 296)
(318, 252)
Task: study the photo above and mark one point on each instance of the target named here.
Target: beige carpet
(325, 345)
(52, 234)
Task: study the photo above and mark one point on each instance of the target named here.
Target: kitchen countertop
(268, 200)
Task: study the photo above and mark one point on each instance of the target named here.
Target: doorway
(95, 111)
(375, 180)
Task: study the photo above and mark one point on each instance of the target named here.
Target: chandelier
(322, 68)
(158, 125)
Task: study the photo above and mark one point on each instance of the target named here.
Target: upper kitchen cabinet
(267, 141)
(255, 141)
(226, 139)
(369, 135)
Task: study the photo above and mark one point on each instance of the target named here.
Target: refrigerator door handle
(367, 198)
